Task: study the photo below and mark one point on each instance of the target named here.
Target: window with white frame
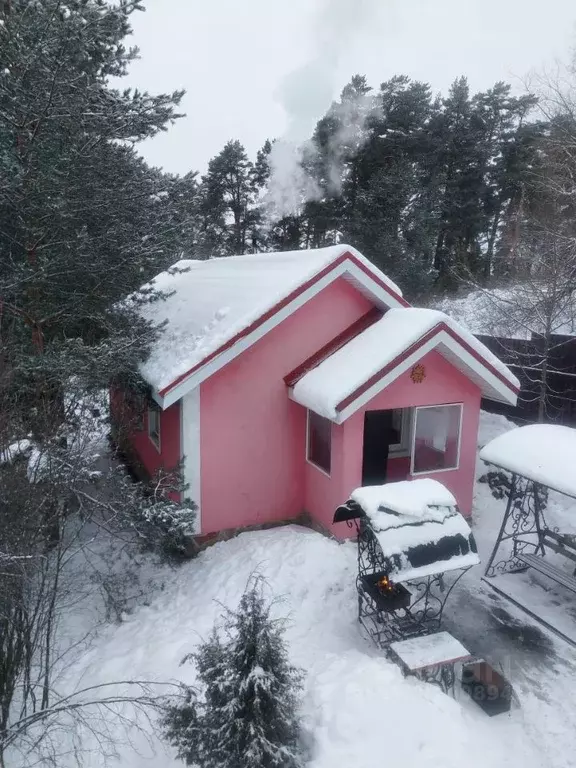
(154, 424)
(319, 442)
(402, 432)
(436, 445)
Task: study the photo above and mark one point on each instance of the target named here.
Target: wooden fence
(524, 357)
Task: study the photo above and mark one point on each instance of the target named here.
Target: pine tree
(83, 220)
(387, 212)
(247, 716)
(229, 201)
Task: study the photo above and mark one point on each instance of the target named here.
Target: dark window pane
(154, 423)
(396, 432)
(319, 441)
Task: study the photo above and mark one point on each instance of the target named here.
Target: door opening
(379, 435)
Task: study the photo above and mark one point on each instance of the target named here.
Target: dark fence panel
(524, 357)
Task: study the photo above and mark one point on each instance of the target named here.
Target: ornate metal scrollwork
(429, 595)
(521, 529)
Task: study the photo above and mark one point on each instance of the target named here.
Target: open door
(379, 434)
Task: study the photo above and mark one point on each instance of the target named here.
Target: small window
(436, 438)
(154, 424)
(319, 448)
(401, 432)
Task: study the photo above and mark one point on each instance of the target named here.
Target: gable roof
(341, 383)
(360, 325)
(219, 307)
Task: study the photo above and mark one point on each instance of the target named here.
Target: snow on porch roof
(219, 300)
(356, 372)
(543, 453)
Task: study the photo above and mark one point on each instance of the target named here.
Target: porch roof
(341, 383)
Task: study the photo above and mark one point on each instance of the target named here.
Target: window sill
(433, 471)
(155, 443)
(323, 471)
(400, 453)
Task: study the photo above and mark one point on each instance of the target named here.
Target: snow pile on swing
(543, 453)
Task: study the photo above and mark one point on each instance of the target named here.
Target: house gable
(347, 266)
(371, 317)
(454, 349)
(252, 435)
(353, 374)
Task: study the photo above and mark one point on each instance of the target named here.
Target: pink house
(283, 381)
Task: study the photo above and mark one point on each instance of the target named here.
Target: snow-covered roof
(544, 453)
(357, 371)
(408, 497)
(418, 527)
(215, 300)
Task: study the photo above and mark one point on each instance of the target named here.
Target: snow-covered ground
(358, 709)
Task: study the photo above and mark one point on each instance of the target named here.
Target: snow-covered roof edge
(543, 453)
(346, 262)
(434, 331)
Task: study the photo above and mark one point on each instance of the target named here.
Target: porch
(393, 399)
(424, 424)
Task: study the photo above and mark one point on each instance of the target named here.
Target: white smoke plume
(306, 94)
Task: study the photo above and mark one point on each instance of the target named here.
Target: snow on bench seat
(430, 650)
(418, 527)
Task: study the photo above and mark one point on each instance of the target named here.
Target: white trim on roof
(347, 269)
(490, 385)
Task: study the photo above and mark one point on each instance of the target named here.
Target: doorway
(379, 434)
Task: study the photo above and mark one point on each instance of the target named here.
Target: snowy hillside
(359, 710)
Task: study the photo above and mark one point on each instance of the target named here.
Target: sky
(258, 69)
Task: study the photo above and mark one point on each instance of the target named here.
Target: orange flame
(385, 584)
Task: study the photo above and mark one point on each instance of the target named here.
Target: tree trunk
(543, 383)
(491, 242)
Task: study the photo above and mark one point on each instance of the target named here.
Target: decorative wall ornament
(418, 374)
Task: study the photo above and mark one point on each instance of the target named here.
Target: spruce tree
(229, 202)
(247, 714)
(83, 220)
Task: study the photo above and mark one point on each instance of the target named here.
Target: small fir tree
(247, 715)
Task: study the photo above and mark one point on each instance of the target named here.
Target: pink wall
(252, 435)
(151, 458)
(443, 384)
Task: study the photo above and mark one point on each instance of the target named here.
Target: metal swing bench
(558, 543)
(538, 457)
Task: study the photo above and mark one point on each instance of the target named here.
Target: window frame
(156, 441)
(327, 473)
(417, 408)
